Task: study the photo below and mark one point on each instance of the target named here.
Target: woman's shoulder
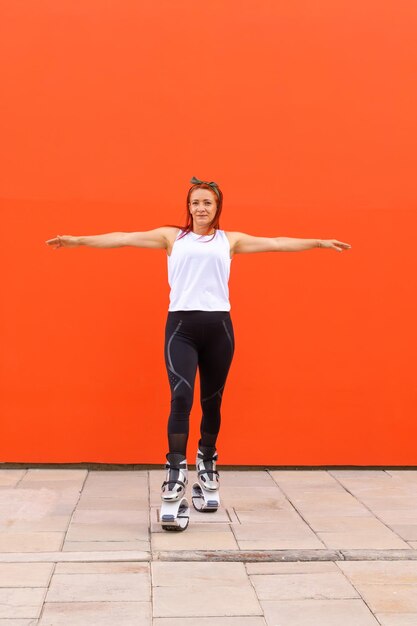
(231, 235)
(171, 231)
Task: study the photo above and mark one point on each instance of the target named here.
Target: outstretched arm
(156, 238)
(244, 244)
(107, 240)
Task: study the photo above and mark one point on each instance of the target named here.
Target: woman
(199, 329)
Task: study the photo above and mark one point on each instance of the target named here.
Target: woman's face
(202, 206)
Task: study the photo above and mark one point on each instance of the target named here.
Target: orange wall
(304, 113)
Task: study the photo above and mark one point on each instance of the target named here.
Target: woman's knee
(182, 401)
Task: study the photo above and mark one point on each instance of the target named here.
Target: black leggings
(204, 339)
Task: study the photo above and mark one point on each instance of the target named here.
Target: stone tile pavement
(83, 547)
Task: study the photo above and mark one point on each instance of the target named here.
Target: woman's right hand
(61, 241)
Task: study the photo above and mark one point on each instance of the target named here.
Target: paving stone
(394, 619)
(383, 539)
(379, 572)
(318, 517)
(166, 574)
(317, 613)
(295, 567)
(117, 485)
(114, 476)
(351, 524)
(11, 477)
(25, 574)
(261, 516)
(21, 601)
(408, 532)
(311, 477)
(35, 502)
(227, 590)
(245, 478)
(51, 523)
(384, 502)
(31, 504)
(192, 539)
(381, 481)
(317, 585)
(109, 516)
(100, 546)
(102, 568)
(295, 543)
(242, 498)
(108, 503)
(326, 503)
(56, 474)
(112, 531)
(389, 598)
(100, 587)
(219, 600)
(67, 488)
(121, 491)
(398, 516)
(96, 614)
(14, 541)
(276, 536)
(364, 491)
(361, 474)
(407, 475)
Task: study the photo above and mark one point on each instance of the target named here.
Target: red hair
(215, 222)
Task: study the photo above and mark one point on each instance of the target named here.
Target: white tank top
(198, 273)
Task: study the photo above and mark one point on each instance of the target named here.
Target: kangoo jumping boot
(175, 511)
(206, 491)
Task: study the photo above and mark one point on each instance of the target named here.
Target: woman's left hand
(334, 243)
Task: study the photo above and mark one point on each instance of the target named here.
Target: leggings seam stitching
(213, 394)
(170, 360)
(228, 334)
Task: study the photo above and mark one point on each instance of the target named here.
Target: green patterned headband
(213, 185)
